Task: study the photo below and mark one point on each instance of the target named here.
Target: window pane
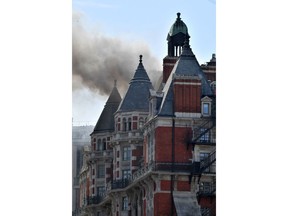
(205, 108)
(126, 153)
(101, 171)
(125, 203)
(126, 174)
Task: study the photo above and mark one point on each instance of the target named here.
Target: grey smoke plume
(98, 60)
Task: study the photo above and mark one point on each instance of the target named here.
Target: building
(156, 154)
(80, 138)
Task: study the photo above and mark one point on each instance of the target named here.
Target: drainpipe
(173, 150)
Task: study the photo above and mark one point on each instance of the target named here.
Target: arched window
(104, 144)
(124, 126)
(99, 145)
(129, 124)
(94, 144)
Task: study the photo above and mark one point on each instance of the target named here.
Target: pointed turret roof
(137, 95)
(187, 65)
(105, 122)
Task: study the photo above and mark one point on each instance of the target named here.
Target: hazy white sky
(140, 22)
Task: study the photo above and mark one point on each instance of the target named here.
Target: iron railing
(95, 199)
(142, 171)
(207, 189)
(205, 163)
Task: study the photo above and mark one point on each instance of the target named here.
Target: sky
(106, 32)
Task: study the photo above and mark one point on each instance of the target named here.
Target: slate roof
(187, 65)
(137, 96)
(105, 122)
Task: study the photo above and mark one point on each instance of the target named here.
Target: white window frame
(204, 101)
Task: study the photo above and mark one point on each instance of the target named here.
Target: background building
(80, 138)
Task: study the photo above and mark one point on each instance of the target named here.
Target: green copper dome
(178, 26)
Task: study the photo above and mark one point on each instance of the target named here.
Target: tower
(175, 39)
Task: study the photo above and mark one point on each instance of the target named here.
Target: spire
(106, 119)
(137, 95)
(114, 96)
(140, 73)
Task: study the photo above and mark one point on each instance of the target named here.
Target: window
(104, 144)
(99, 145)
(205, 187)
(124, 126)
(206, 109)
(205, 136)
(101, 171)
(129, 124)
(126, 174)
(100, 190)
(93, 171)
(203, 155)
(126, 153)
(125, 203)
(141, 122)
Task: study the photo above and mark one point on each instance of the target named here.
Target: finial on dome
(178, 15)
(115, 83)
(140, 60)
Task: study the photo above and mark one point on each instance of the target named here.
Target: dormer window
(206, 106)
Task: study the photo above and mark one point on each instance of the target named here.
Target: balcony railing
(142, 171)
(98, 154)
(95, 199)
(208, 161)
(204, 166)
(122, 135)
(206, 189)
(121, 183)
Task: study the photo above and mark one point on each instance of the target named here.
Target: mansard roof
(187, 65)
(105, 122)
(137, 95)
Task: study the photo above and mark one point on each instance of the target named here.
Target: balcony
(100, 154)
(206, 189)
(118, 184)
(125, 135)
(144, 170)
(94, 200)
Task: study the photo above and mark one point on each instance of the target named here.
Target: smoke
(98, 60)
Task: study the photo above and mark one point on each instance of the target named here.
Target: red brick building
(161, 143)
